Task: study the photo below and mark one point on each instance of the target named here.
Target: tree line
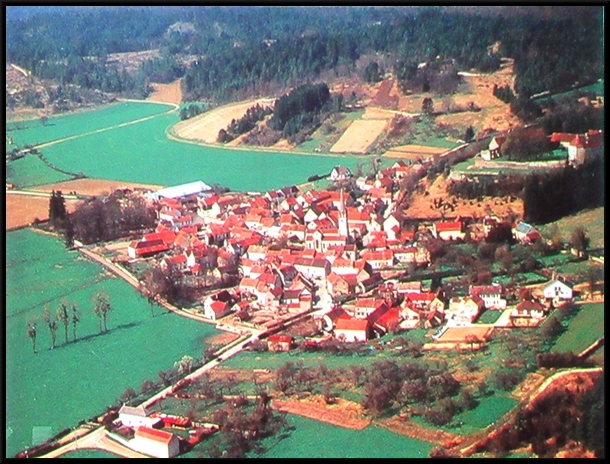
(68, 314)
(280, 45)
(244, 124)
(101, 218)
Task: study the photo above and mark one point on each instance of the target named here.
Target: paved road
(98, 439)
(37, 194)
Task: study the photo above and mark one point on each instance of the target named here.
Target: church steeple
(343, 224)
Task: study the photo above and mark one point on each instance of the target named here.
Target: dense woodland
(238, 51)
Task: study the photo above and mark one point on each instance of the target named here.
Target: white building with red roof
(580, 146)
(350, 329)
(449, 230)
(156, 443)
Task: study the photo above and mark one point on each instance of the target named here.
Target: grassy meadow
(586, 327)
(30, 171)
(33, 132)
(592, 220)
(57, 388)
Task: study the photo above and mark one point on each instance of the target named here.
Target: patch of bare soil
(91, 187)
(167, 93)
(343, 413)
(222, 338)
(22, 210)
(475, 91)
(422, 203)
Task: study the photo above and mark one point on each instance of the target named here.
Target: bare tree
(75, 320)
(51, 323)
(31, 326)
(63, 316)
(101, 308)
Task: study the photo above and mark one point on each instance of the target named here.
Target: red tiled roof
(153, 434)
(280, 338)
(448, 226)
(529, 306)
(350, 323)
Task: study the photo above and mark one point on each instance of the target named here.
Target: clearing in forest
(204, 127)
(167, 93)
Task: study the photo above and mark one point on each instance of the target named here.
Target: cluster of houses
(580, 147)
(294, 251)
(400, 306)
(141, 430)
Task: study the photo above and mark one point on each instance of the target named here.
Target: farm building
(156, 443)
(136, 417)
(493, 150)
(180, 191)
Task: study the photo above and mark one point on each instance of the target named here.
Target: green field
(142, 153)
(30, 171)
(58, 127)
(489, 410)
(60, 387)
(586, 327)
(592, 220)
(312, 439)
(597, 88)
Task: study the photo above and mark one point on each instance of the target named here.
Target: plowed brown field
(91, 186)
(22, 210)
(167, 93)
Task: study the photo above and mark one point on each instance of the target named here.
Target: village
(344, 262)
(349, 261)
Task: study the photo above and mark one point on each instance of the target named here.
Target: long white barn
(179, 191)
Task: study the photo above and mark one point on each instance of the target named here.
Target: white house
(156, 443)
(351, 330)
(136, 416)
(464, 311)
(492, 295)
(340, 173)
(558, 290)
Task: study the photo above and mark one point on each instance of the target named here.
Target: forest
(238, 51)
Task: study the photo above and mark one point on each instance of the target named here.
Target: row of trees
(106, 218)
(68, 314)
(190, 111)
(244, 124)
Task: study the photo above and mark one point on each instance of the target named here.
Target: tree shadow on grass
(96, 335)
